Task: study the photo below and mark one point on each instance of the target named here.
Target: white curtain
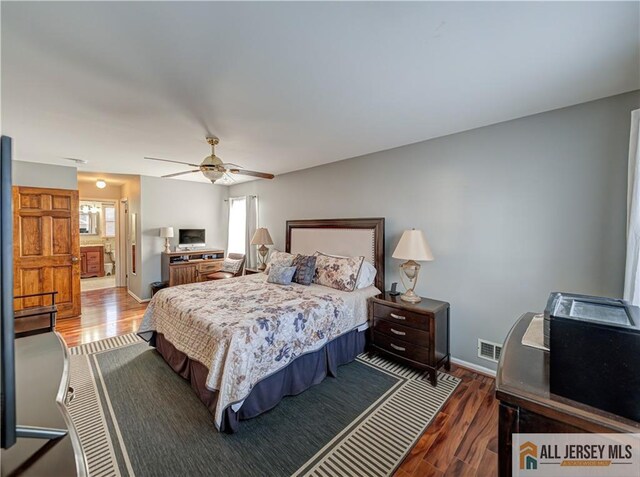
(243, 221)
(632, 269)
(252, 224)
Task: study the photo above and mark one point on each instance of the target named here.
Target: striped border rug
(372, 445)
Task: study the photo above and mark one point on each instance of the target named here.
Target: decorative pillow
(231, 265)
(367, 276)
(337, 272)
(282, 259)
(281, 275)
(305, 269)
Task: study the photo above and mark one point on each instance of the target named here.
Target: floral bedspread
(245, 329)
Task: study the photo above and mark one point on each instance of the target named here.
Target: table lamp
(412, 247)
(262, 238)
(166, 233)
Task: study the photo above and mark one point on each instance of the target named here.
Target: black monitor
(191, 238)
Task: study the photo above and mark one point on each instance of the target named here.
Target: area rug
(135, 416)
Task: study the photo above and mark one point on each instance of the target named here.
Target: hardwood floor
(105, 313)
(462, 440)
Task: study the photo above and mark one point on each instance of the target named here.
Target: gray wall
(34, 174)
(178, 204)
(512, 211)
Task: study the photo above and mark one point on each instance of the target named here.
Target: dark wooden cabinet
(92, 261)
(527, 406)
(180, 268)
(414, 333)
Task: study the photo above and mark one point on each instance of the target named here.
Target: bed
(244, 344)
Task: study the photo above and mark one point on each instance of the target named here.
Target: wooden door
(46, 247)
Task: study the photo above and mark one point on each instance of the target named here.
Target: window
(109, 220)
(237, 225)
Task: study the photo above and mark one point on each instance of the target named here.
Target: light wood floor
(105, 313)
(460, 442)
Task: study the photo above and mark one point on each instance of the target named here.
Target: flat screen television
(191, 238)
(7, 366)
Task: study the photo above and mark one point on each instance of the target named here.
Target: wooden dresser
(179, 268)
(414, 333)
(527, 406)
(91, 261)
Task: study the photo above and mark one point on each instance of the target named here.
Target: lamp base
(263, 251)
(410, 296)
(167, 247)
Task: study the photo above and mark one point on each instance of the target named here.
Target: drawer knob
(397, 317)
(401, 333)
(399, 348)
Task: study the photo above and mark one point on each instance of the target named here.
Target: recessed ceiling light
(100, 184)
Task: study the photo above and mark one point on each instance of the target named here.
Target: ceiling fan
(213, 168)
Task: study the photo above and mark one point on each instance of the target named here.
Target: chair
(36, 319)
(221, 275)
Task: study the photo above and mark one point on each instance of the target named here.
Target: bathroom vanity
(91, 261)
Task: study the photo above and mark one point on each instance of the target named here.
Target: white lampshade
(261, 237)
(166, 232)
(413, 246)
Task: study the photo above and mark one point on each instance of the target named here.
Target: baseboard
(474, 367)
(137, 298)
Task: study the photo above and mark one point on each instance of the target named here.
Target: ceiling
(286, 86)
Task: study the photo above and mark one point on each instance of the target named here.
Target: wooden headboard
(347, 237)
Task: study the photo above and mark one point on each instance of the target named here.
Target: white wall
(178, 204)
(512, 211)
(88, 190)
(34, 174)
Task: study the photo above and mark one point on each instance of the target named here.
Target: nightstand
(416, 334)
(251, 271)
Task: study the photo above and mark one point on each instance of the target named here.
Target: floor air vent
(489, 350)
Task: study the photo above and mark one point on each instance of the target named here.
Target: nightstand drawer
(400, 316)
(401, 348)
(405, 333)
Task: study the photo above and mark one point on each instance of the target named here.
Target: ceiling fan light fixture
(101, 184)
(213, 175)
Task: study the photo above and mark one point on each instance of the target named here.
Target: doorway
(99, 232)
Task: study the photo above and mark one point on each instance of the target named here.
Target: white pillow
(282, 259)
(367, 275)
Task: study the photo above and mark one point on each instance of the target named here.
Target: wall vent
(489, 350)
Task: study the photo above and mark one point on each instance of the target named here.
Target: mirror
(89, 218)
(132, 239)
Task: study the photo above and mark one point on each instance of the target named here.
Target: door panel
(61, 235)
(47, 247)
(30, 236)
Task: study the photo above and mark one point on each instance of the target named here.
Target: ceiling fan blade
(245, 172)
(181, 173)
(228, 177)
(231, 165)
(175, 162)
